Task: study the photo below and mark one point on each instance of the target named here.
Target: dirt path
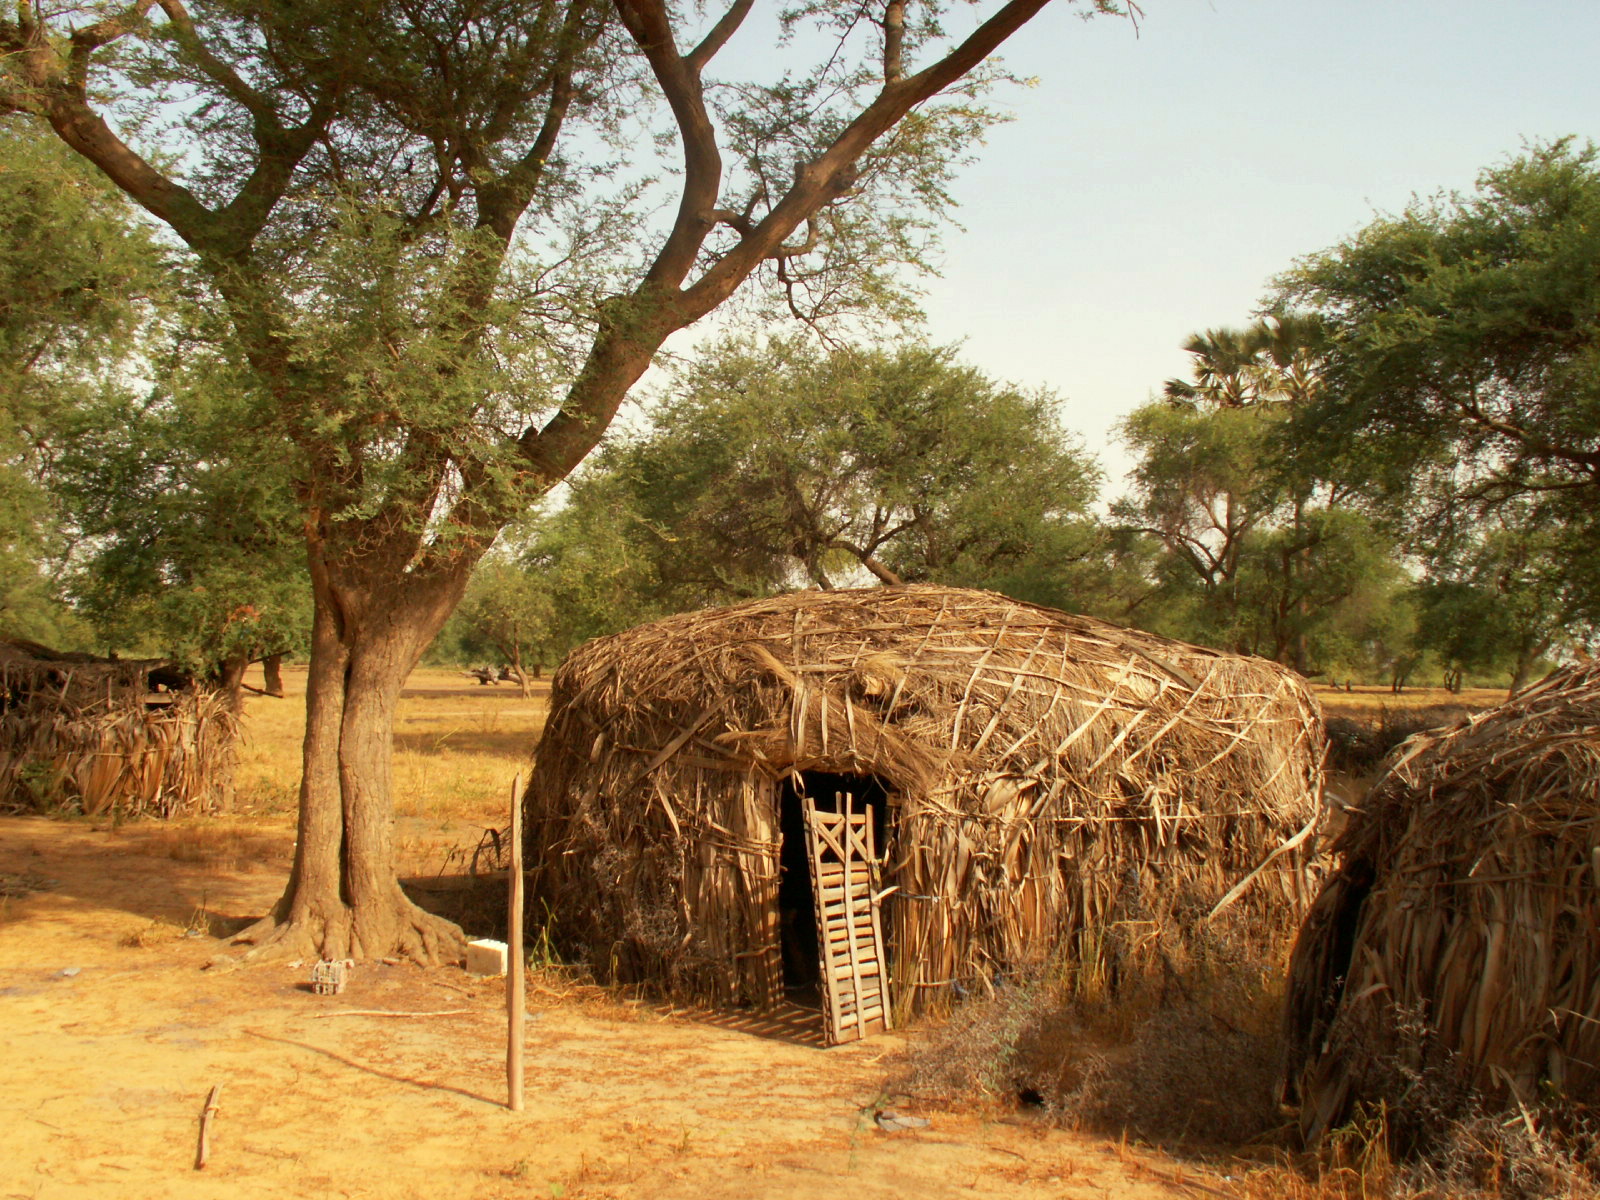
(112, 1035)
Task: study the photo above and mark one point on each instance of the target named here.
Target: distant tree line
(1391, 474)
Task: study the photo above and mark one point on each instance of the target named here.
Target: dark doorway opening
(797, 914)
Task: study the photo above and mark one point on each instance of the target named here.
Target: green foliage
(172, 533)
(507, 616)
(1504, 602)
(422, 221)
(189, 545)
(75, 268)
(780, 464)
(1463, 370)
(1461, 624)
(76, 274)
(600, 563)
(564, 575)
(426, 232)
(1256, 554)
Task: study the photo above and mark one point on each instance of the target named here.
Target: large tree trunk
(344, 898)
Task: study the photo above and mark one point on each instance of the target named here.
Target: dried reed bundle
(75, 729)
(1055, 782)
(1460, 935)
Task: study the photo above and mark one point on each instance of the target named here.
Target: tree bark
(518, 672)
(1528, 656)
(344, 898)
(272, 674)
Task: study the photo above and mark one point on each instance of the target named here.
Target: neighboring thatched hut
(1457, 946)
(137, 737)
(1036, 780)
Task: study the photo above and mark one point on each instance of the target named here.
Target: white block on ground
(486, 957)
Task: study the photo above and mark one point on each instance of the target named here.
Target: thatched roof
(1056, 779)
(34, 673)
(95, 733)
(1460, 936)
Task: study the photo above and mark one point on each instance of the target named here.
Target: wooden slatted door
(855, 974)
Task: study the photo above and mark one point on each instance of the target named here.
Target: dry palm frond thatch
(1460, 935)
(95, 733)
(1052, 782)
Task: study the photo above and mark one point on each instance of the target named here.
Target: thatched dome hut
(135, 736)
(1458, 941)
(1035, 781)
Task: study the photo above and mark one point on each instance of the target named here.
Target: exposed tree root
(427, 938)
(271, 940)
(396, 929)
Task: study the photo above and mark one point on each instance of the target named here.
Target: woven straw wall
(1460, 935)
(1054, 781)
(87, 732)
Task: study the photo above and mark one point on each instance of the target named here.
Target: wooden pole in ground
(203, 1154)
(516, 993)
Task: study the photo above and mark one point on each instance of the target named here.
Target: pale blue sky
(1153, 183)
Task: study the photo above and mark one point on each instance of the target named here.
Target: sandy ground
(113, 1031)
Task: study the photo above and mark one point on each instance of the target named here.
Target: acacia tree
(508, 615)
(74, 269)
(1461, 400)
(186, 543)
(1518, 591)
(776, 462)
(1462, 373)
(425, 231)
(1260, 553)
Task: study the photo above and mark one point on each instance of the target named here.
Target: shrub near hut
(1040, 782)
(1454, 956)
(109, 735)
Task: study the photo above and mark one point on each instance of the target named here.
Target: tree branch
(87, 40)
(65, 106)
(648, 23)
(219, 72)
(503, 204)
(894, 37)
(724, 29)
(1588, 460)
(833, 172)
(881, 572)
(633, 327)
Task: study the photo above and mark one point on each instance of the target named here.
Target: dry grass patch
(1482, 1158)
(158, 932)
(1191, 1059)
(221, 844)
(1196, 1075)
(457, 747)
(1369, 703)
